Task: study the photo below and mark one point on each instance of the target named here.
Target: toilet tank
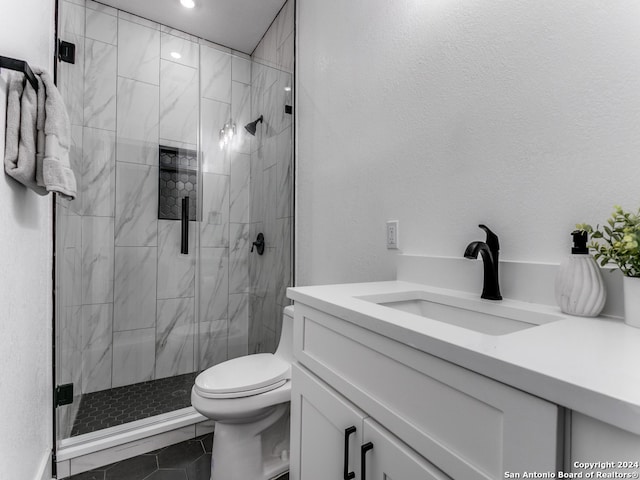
(285, 346)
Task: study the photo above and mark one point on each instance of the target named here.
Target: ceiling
(237, 24)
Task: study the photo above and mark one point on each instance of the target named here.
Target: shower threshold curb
(96, 449)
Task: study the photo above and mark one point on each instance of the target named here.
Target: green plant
(617, 242)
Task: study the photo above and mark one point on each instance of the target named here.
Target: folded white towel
(38, 137)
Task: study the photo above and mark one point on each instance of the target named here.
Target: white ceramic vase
(579, 286)
(631, 286)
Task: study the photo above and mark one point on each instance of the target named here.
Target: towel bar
(20, 66)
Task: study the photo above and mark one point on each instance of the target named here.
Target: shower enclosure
(150, 291)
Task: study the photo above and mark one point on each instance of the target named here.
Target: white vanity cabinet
(334, 439)
(426, 418)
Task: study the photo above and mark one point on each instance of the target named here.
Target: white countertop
(590, 365)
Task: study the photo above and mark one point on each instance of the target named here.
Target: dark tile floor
(116, 406)
(189, 460)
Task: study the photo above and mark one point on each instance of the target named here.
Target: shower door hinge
(288, 109)
(66, 52)
(63, 395)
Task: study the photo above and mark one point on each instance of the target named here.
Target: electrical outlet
(392, 234)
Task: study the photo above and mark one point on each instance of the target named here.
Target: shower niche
(177, 179)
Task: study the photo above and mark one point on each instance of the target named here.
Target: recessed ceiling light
(187, 3)
(287, 89)
(176, 55)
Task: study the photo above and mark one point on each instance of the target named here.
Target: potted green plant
(618, 242)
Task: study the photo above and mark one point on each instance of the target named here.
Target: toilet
(248, 398)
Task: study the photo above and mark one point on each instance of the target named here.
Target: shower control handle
(259, 244)
(347, 433)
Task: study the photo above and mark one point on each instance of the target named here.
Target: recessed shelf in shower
(178, 178)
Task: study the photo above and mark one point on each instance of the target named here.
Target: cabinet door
(611, 449)
(319, 418)
(389, 458)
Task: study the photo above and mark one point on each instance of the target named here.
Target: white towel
(21, 132)
(37, 139)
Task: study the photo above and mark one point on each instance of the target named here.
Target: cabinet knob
(363, 459)
(347, 433)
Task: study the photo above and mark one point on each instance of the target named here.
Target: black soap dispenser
(579, 286)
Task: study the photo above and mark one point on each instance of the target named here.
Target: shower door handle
(184, 240)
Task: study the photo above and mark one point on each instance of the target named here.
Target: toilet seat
(243, 377)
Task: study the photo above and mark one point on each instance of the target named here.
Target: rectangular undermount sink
(484, 316)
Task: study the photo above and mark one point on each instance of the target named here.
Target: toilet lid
(243, 376)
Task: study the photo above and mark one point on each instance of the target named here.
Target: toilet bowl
(248, 398)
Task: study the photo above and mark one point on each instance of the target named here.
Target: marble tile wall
(175, 333)
(224, 231)
(99, 187)
(271, 184)
(138, 114)
(178, 103)
(276, 47)
(97, 332)
(131, 308)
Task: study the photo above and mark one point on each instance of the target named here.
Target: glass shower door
(125, 259)
(141, 308)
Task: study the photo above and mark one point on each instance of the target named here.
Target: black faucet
(490, 251)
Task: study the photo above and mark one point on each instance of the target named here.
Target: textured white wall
(25, 272)
(445, 114)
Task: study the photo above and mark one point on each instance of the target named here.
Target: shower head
(251, 127)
